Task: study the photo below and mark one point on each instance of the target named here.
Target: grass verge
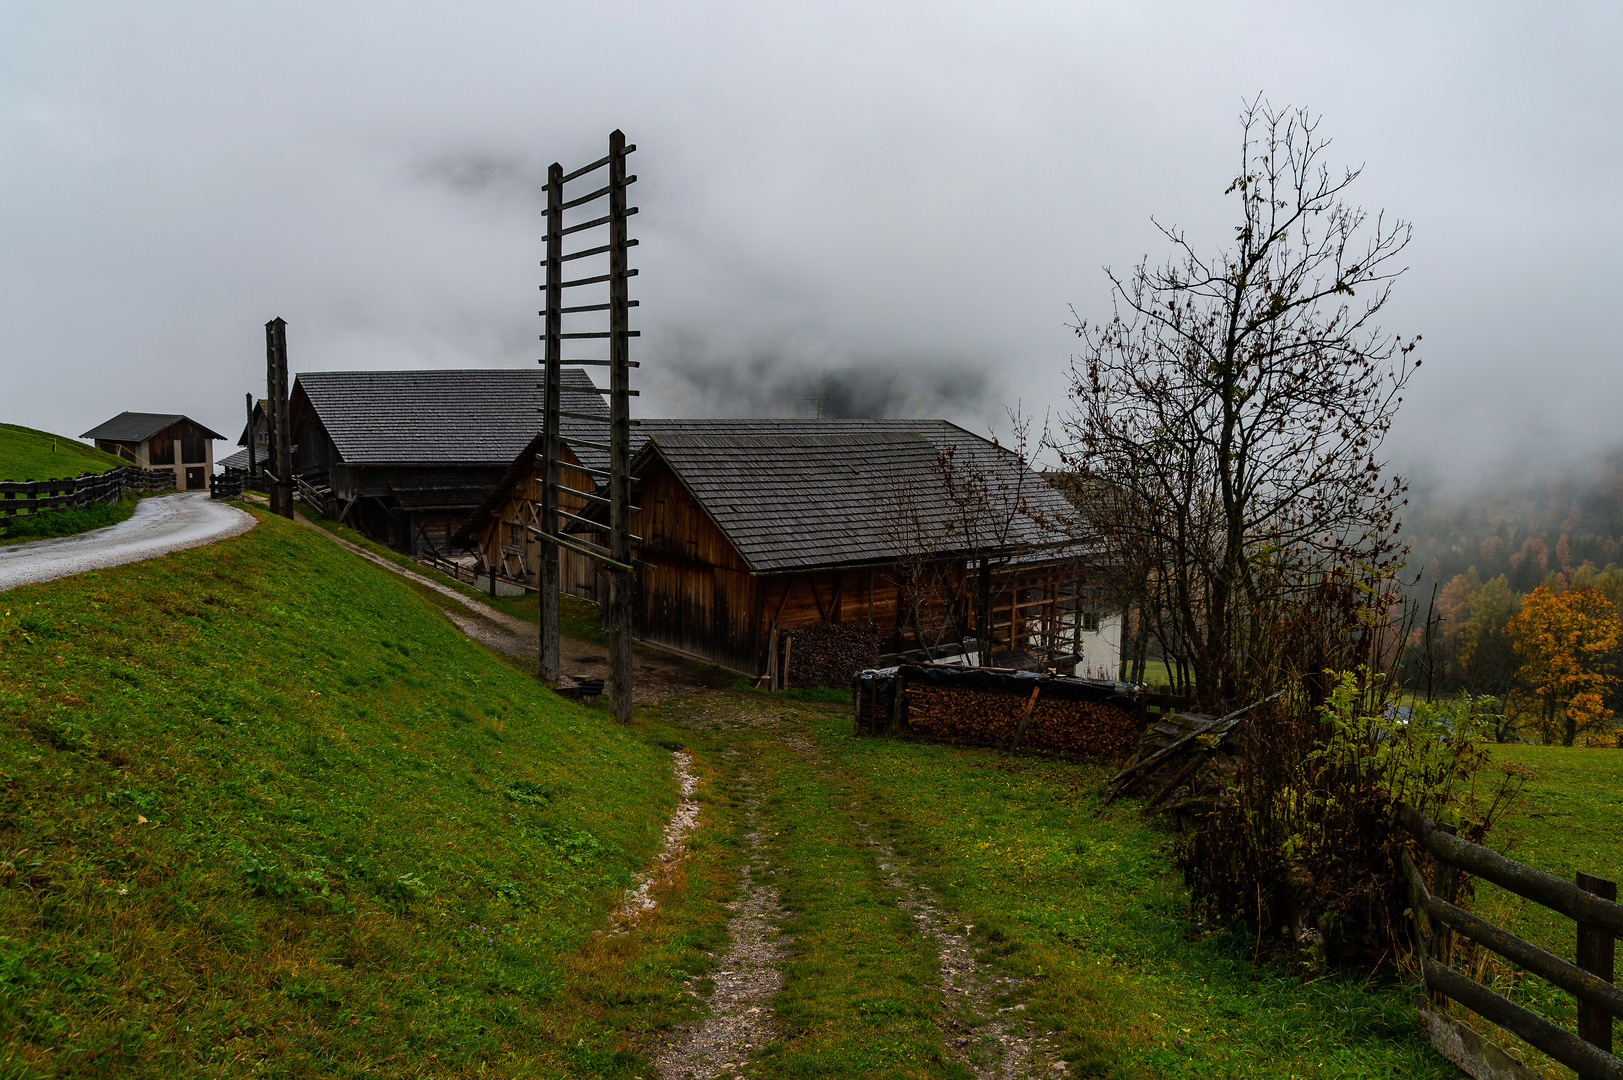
(264, 810)
(99, 515)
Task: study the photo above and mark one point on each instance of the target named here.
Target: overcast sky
(895, 203)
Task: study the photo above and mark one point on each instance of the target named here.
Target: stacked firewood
(955, 714)
(828, 654)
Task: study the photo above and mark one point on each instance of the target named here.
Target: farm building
(406, 456)
(258, 430)
(756, 530)
(161, 441)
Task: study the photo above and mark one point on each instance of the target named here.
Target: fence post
(1596, 953)
(1445, 885)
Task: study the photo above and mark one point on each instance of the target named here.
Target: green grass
(861, 987)
(577, 618)
(1081, 899)
(65, 522)
(27, 454)
(1569, 818)
(264, 810)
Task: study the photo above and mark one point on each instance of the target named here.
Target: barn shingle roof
(139, 426)
(465, 416)
(796, 495)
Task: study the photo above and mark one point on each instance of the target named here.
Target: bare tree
(1231, 412)
(996, 515)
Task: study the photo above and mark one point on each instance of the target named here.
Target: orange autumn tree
(1563, 640)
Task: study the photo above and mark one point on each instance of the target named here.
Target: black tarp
(1054, 687)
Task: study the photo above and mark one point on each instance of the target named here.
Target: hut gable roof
(459, 417)
(794, 500)
(140, 426)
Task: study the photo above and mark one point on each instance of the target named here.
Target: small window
(517, 535)
(1090, 621)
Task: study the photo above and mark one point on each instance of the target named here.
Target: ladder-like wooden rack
(616, 493)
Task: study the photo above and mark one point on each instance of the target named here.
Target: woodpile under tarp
(827, 654)
(1008, 709)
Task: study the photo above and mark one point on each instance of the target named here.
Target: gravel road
(158, 526)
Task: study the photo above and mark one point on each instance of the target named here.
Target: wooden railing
(39, 496)
(1590, 902)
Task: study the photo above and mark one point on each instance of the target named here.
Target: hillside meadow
(28, 454)
(265, 811)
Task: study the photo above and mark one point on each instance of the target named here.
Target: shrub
(1304, 842)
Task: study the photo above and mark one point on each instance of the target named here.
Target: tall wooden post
(622, 583)
(547, 580)
(252, 466)
(281, 488)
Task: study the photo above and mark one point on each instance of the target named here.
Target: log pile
(988, 718)
(828, 654)
(983, 707)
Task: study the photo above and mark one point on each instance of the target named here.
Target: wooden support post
(772, 658)
(253, 465)
(547, 664)
(1597, 952)
(622, 583)
(281, 488)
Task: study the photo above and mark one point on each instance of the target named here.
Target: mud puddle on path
(747, 977)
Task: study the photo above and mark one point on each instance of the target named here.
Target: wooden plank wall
(507, 545)
(697, 595)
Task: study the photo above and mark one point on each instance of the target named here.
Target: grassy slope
(264, 810)
(576, 617)
(27, 454)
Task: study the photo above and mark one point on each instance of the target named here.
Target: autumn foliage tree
(1564, 641)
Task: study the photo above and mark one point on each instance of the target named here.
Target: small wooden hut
(161, 441)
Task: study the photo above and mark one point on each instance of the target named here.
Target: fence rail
(19, 497)
(1590, 902)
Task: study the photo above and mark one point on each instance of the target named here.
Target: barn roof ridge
(450, 416)
(139, 426)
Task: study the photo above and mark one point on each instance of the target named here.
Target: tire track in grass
(992, 1042)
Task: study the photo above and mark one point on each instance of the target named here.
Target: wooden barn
(256, 429)
(161, 441)
(754, 529)
(406, 456)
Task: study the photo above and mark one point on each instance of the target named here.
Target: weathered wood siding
(507, 544)
(696, 595)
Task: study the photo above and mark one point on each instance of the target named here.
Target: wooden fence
(40, 496)
(1590, 902)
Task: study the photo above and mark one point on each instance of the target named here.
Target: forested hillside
(1526, 592)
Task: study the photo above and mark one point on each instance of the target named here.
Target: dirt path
(655, 676)
(993, 1041)
(747, 977)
